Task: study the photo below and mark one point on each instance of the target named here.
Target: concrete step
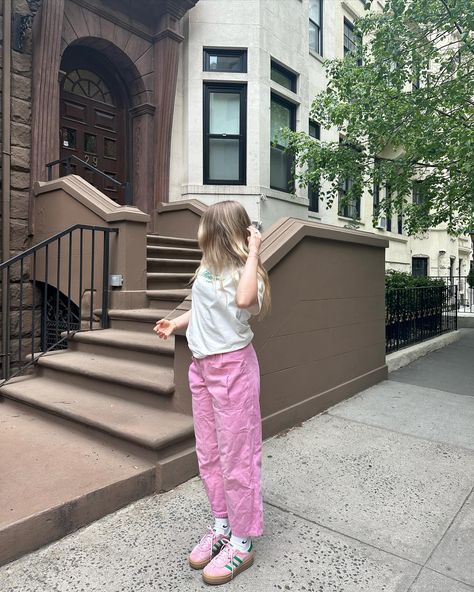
(157, 239)
(123, 377)
(123, 344)
(132, 421)
(171, 265)
(139, 319)
(167, 299)
(174, 252)
(157, 281)
(57, 477)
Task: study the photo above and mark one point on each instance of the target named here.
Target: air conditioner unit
(382, 223)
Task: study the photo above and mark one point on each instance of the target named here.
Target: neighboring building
(94, 79)
(249, 67)
(177, 103)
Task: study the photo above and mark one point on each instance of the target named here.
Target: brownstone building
(94, 79)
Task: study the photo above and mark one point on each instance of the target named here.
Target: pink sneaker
(227, 564)
(207, 548)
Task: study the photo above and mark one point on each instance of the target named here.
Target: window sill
(285, 93)
(315, 215)
(224, 76)
(317, 56)
(345, 219)
(220, 189)
(398, 238)
(284, 196)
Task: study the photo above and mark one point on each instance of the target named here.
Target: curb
(407, 355)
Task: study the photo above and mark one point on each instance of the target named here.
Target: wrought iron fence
(51, 290)
(464, 289)
(415, 314)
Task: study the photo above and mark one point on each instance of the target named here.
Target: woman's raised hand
(254, 239)
(164, 328)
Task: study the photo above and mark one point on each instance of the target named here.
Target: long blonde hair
(222, 237)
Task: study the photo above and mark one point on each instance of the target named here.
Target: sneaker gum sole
(199, 565)
(216, 580)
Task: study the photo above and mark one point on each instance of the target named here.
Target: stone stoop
(108, 401)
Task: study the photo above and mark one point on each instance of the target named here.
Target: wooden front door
(92, 126)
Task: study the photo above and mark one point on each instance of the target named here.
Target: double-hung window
(388, 201)
(419, 266)
(419, 192)
(351, 40)
(314, 189)
(350, 208)
(225, 108)
(316, 26)
(283, 114)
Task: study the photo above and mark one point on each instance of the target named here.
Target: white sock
(221, 525)
(241, 543)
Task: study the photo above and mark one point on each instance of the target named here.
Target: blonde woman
(229, 287)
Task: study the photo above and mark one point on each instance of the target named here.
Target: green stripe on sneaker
(239, 559)
(229, 567)
(235, 564)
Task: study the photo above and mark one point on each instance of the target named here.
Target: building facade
(91, 81)
(248, 67)
(179, 99)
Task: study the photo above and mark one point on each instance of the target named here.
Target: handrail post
(105, 282)
(6, 329)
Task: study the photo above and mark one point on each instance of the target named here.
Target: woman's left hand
(254, 240)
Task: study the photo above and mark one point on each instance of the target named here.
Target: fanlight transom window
(87, 84)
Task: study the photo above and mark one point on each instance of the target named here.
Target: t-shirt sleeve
(255, 308)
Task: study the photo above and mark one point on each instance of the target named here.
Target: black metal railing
(51, 288)
(67, 162)
(415, 314)
(464, 290)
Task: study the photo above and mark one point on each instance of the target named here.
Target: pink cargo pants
(227, 423)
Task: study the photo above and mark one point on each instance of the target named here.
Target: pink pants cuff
(228, 427)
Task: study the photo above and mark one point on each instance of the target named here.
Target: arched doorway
(93, 118)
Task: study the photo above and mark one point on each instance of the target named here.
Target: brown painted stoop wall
(120, 396)
(325, 337)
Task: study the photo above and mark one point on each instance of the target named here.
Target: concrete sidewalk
(376, 495)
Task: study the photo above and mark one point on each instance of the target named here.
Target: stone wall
(21, 82)
(21, 129)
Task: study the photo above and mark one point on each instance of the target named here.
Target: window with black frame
(400, 223)
(316, 26)
(283, 76)
(351, 40)
(225, 60)
(350, 208)
(388, 200)
(419, 266)
(419, 192)
(283, 115)
(314, 130)
(225, 108)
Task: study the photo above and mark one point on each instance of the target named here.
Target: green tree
(403, 103)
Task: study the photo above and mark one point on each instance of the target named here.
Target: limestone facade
(278, 31)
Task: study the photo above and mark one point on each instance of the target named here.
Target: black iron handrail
(73, 158)
(15, 272)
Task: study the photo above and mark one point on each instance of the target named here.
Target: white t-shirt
(217, 324)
